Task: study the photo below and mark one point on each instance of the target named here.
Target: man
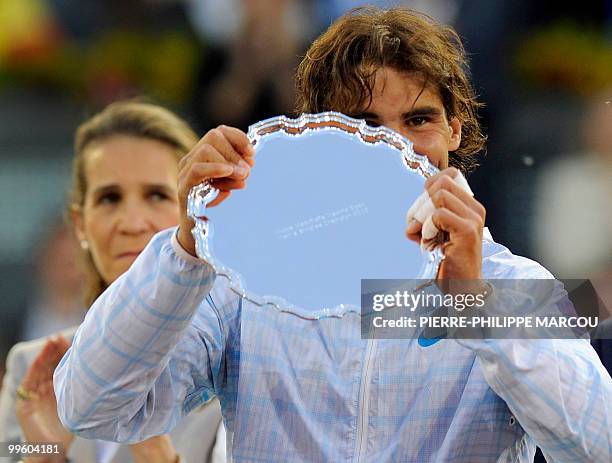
(169, 335)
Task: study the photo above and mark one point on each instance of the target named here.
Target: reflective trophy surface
(324, 207)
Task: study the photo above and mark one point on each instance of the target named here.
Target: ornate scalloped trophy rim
(203, 194)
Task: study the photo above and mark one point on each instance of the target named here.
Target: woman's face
(131, 195)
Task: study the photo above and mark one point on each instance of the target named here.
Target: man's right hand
(225, 156)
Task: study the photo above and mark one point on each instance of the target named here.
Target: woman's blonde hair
(133, 118)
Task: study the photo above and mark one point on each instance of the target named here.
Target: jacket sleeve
(150, 349)
(557, 389)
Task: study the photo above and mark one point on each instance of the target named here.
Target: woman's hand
(224, 156)
(36, 407)
(154, 450)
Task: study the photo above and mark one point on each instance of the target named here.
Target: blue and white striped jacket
(168, 335)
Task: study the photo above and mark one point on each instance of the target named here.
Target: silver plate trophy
(324, 207)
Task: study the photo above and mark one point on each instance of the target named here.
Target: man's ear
(455, 134)
(76, 214)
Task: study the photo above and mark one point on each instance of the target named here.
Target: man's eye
(417, 121)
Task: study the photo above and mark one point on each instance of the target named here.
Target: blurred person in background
(254, 47)
(58, 298)
(574, 219)
(124, 191)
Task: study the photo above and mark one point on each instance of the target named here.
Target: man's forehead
(401, 88)
(373, 79)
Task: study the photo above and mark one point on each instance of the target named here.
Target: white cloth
(423, 208)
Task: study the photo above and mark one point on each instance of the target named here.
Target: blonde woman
(124, 191)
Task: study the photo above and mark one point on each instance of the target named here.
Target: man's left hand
(462, 218)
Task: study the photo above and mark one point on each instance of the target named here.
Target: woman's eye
(109, 198)
(372, 123)
(159, 196)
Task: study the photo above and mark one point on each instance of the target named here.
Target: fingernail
(227, 169)
(413, 226)
(241, 169)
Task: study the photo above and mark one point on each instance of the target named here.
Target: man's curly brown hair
(337, 72)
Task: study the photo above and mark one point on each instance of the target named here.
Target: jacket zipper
(364, 399)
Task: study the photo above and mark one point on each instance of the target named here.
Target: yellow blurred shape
(19, 22)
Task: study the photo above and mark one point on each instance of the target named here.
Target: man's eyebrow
(423, 111)
(418, 111)
(364, 115)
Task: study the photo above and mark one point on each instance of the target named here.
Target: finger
(451, 172)
(46, 353)
(202, 172)
(450, 222)
(458, 177)
(227, 184)
(44, 391)
(222, 196)
(219, 140)
(46, 362)
(239, 140)
(448, 200)
(62, 344)
(444, 182)
(32, 378)
(414, 227)
(213, 153)
(423, 207)
(52, 353)
(250, 161)
(56, 358)
(36, 373)
(29, 381)
(62, 341)
(47, 348)
(205, 153)
(416, 237)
